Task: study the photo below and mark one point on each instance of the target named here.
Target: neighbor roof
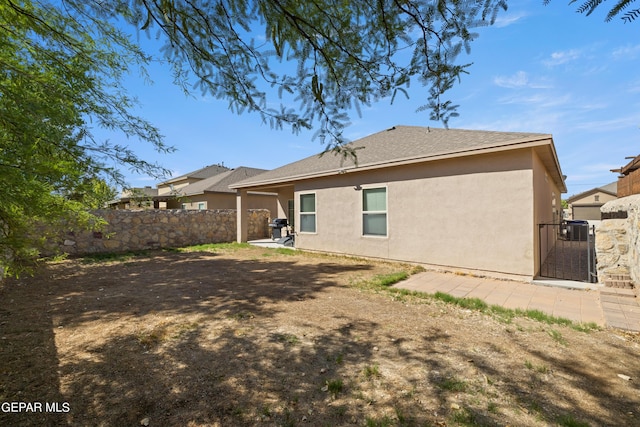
(408, 144)
(220, 183)
(611, 188)
(203, 173)
(140, 191)
(134, 193)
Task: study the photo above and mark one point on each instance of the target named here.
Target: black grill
(276, 227)
(279, 223)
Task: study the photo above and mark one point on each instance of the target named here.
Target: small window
(374, 212)
(184, 206)
(597, 197)
(308, 213)
(201, 206)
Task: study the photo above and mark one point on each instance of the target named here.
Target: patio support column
(242, 213)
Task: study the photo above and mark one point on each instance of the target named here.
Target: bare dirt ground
(253, 336)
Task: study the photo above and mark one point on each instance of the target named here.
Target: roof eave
(517, 144)
(590, 193)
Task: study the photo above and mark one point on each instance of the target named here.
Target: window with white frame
(374, 211)
(201, 205)
(307, 213)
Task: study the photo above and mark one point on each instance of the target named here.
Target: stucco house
(136, 198)
(167, 191)
(462, 200)
(586, 205)
(174, 185)
(213, 192)
(205, 188)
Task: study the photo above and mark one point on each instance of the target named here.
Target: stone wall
(128, 230)
(618, 239)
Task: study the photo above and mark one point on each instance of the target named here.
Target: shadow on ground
(243, 339)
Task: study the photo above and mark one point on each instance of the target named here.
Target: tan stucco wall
(597, 197)
(168, 188)
(471, 213)
(226, 201)
(547, 208)
(588, 213)
(284, 195)
(588, 207)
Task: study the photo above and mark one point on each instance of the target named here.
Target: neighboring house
(136, 198)
(166, 191)
(214, 192)
(206, 188)
(173, 185)
(586, 205)
(459, 199)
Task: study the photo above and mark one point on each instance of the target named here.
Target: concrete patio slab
(576, 301)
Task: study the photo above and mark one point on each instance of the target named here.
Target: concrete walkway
(570, 300)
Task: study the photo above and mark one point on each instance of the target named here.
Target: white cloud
(626, 52)
(618, 123)
(563, 57)
(634, 86)
(599, 167)
(520, 80)
(509, 19)
(539, 100)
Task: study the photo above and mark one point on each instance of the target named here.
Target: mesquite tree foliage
(59, 80)
(307, 64)
(620, 8)
(299, 64)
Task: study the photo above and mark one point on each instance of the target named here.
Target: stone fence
(618, 239)
(132, 230)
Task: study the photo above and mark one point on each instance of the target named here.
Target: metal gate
(567, 251)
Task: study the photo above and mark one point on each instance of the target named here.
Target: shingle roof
(134, 193)
(203, 173)
(140, 191)
(398, 145)
(220, 183)
(611, 188)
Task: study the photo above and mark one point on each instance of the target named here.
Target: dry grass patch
(235, 335)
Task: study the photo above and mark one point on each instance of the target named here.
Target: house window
(597, 197)
(374, 212)
(184, 206)
(201, 205)
(308, 213)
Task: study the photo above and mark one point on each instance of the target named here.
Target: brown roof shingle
(202, 173)
(400, 144)
(220, 183)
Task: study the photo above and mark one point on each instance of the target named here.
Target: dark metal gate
(567, 251)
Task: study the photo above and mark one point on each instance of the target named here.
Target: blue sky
(540, 68)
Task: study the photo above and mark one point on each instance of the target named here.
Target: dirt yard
(251, 336)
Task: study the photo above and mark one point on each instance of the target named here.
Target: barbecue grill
(276, 227)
